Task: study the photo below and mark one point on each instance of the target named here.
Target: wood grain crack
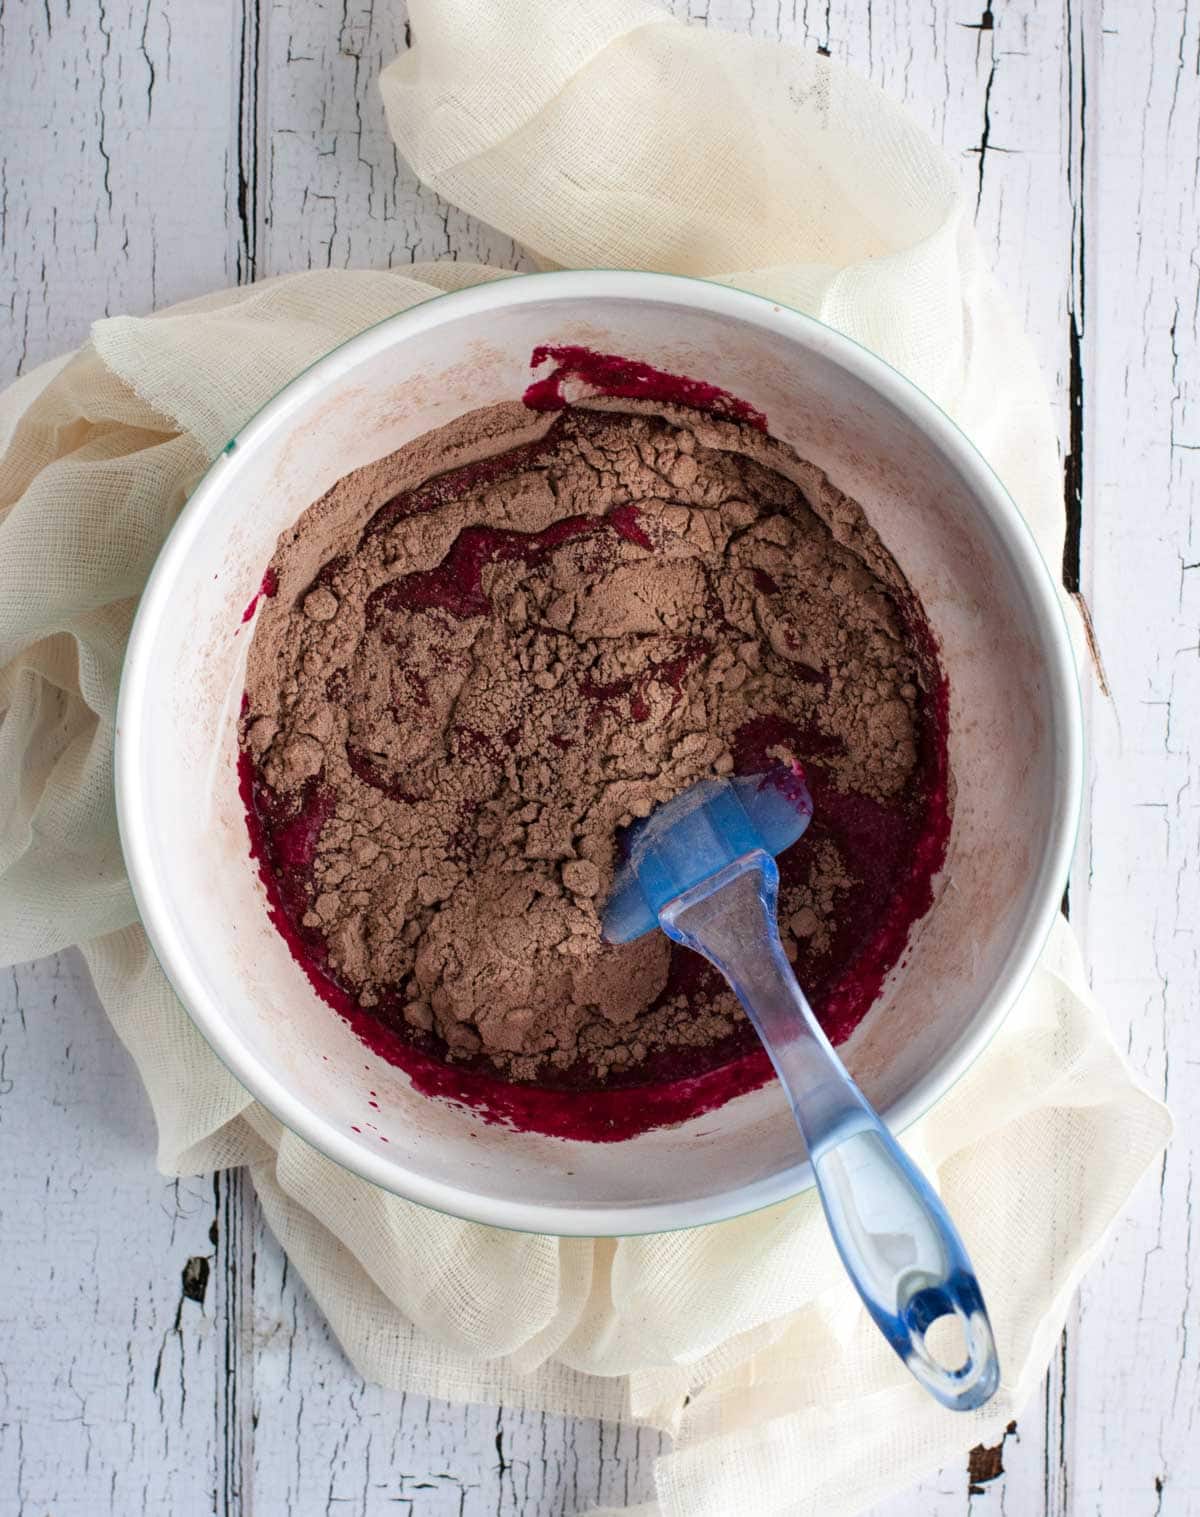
(248, 133)
(1073, 461)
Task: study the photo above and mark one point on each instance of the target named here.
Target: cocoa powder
(491, 652)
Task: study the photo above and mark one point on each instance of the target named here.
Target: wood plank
(991, 84)
(1134, 1385)
(117, 167)
(334, 192)
(114, 166)
(112, 1361)
(993, 87)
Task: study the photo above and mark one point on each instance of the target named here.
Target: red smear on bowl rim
(629, 379)
(268, 588)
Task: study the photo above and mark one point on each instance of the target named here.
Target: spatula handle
(895, 1237)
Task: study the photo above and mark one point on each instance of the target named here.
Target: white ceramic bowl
(1014, 743)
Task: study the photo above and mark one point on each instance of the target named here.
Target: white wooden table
(157, 1356)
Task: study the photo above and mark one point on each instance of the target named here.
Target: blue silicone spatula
(702, 867)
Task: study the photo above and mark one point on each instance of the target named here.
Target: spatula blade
(698, 832)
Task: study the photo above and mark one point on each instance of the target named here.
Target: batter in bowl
(486, 655)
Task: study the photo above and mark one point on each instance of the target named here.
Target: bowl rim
(478, 301)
